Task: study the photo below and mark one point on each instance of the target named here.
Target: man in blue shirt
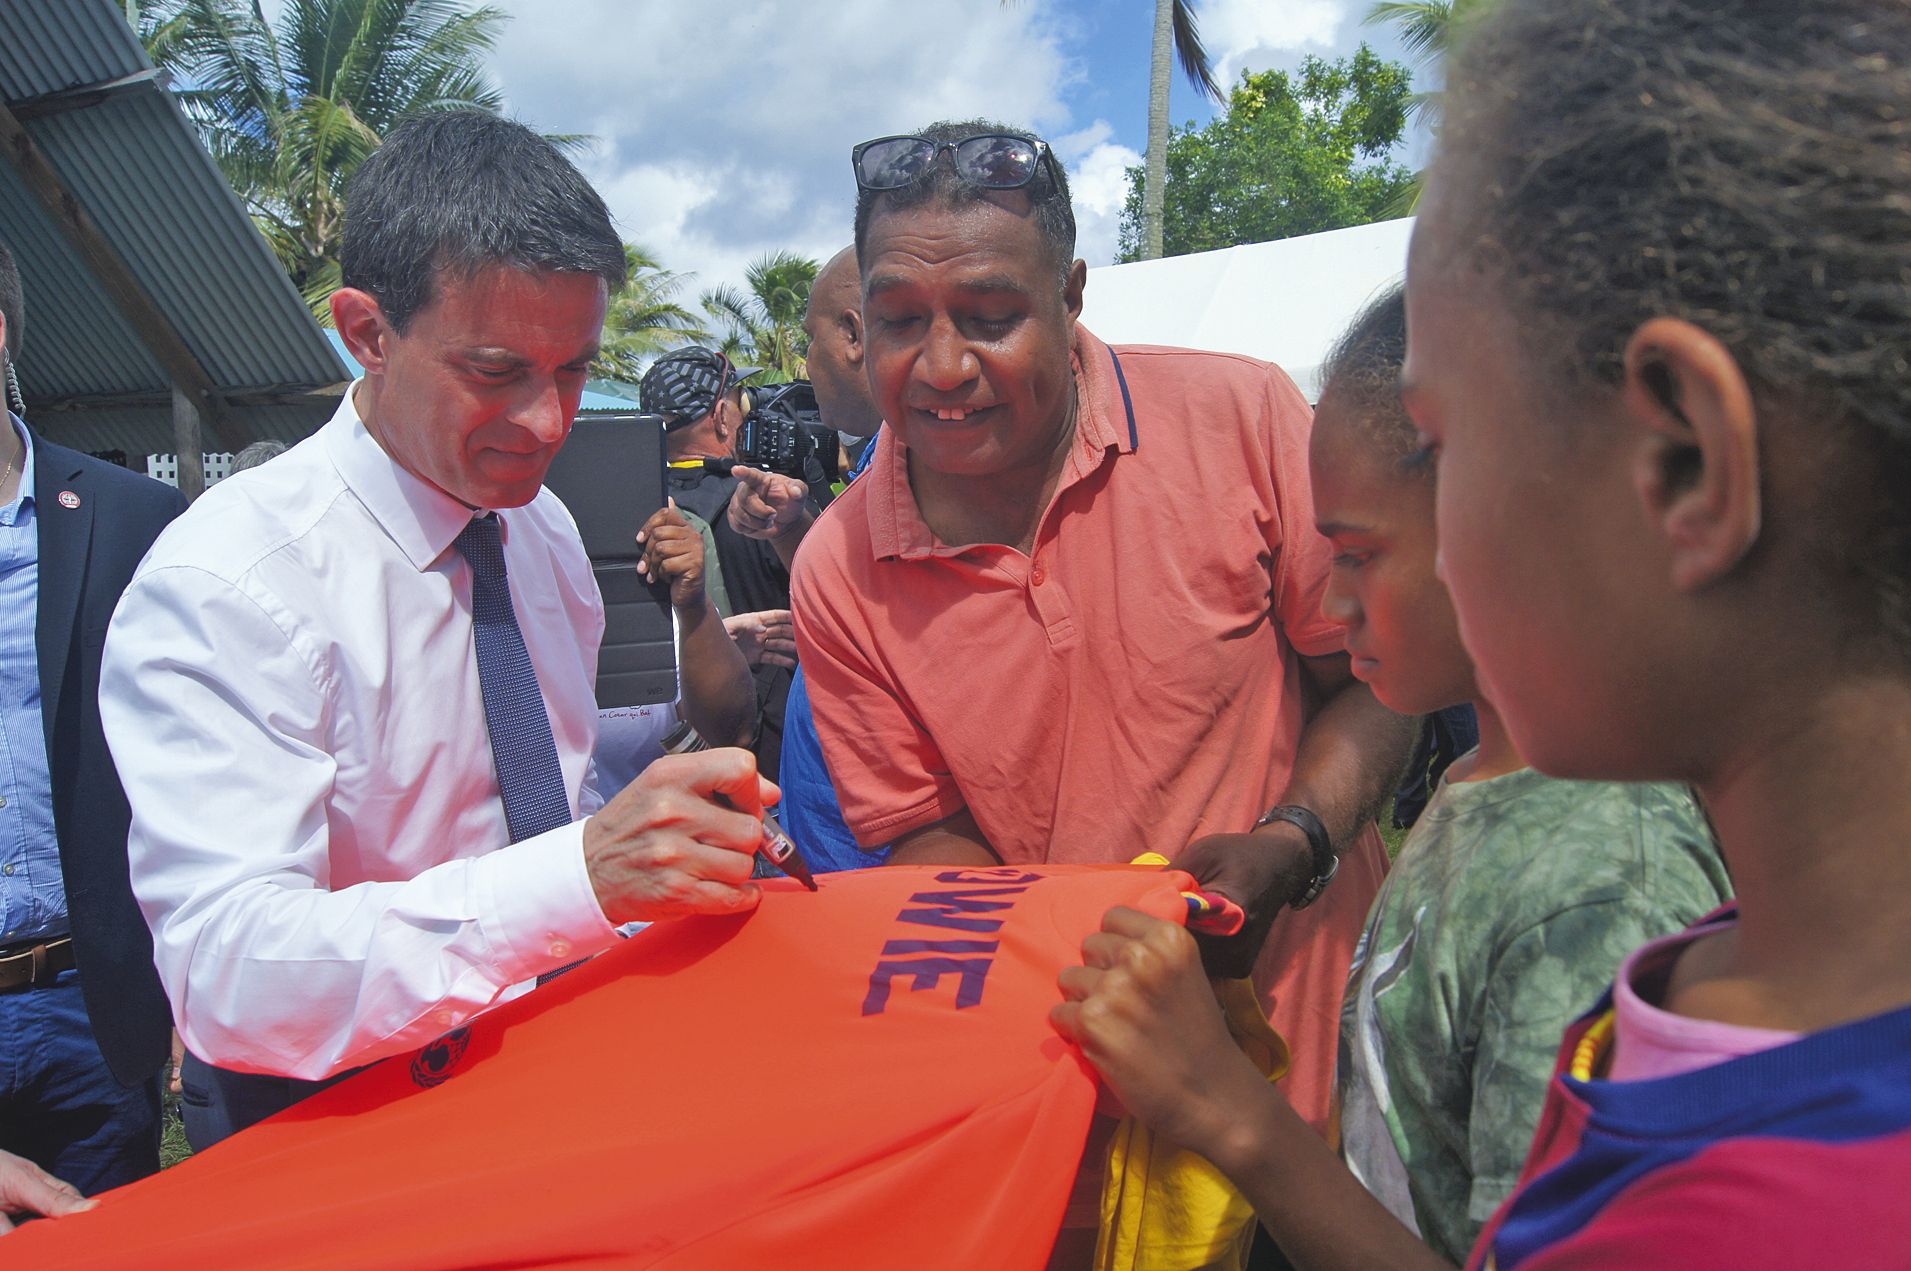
(83, 1021)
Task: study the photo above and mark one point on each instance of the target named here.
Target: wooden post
(149, 323)
(189, 440)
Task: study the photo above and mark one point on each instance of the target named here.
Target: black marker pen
(778, 848)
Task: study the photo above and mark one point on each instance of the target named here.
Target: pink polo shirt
(1130, 686)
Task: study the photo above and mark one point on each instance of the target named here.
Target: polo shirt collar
(896, 527)
(1102, 423)
(422, 519)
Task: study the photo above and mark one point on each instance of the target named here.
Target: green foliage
(1425, 25)
(289, 112)
(764, 326)
(1429, 29)
(644, 319)
(1293, 154)
(1191, 50)
(1177, 39)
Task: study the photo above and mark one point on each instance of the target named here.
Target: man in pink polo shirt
(1072, 612)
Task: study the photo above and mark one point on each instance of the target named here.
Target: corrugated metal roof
(76, 339)
(134, 162)
(53, 45)
(148, 430)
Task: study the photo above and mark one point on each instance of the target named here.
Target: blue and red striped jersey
(1795, 1156)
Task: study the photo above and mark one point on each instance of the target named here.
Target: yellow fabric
(1164, 1209)
(1592, 1048)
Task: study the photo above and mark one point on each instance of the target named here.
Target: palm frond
(780, 287)
(222, 55)
(1406, 200)
(318, 289)
(727, 304)
(1193, 54)
(1426, 26)
(289, 109)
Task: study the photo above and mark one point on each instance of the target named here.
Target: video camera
(784, 432)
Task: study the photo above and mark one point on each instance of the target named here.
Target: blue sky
(723, 128)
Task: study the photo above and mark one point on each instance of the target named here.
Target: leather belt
(35, 966)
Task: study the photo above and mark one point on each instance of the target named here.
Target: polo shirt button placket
(1051, 603)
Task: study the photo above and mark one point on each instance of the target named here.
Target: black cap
(688, 382)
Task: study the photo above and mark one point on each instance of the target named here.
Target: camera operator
(701, 395)
(774, 507)
(787, 461)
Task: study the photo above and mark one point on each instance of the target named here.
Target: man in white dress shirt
(320, 782)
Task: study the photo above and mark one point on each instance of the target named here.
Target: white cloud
(724, 130)
(1254, 35)
(1098, 180)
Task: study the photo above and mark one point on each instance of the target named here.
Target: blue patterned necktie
(530, 780)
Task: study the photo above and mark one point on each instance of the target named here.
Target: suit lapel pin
(68, 499)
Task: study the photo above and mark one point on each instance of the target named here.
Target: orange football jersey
(863, 1077)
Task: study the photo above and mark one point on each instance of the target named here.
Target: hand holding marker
(777, 848)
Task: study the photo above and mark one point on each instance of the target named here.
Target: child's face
(1401, 631)
(1541, 534)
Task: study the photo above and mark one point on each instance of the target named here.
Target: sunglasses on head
(992, 160)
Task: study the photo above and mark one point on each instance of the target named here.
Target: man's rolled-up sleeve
(890, 777)
(222, 729)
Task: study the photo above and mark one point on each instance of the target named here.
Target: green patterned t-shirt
(1505, 917)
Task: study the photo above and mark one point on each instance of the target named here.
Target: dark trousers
(217, 1103)
(60, 1105)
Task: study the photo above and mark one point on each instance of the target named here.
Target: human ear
(1073, 288)
(852, 321)
(1697, 470)
(361, 324)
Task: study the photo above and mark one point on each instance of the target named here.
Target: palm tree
(289, 112)
(644, 319)
(1176, 37)
(1428, 28)
(764, 326)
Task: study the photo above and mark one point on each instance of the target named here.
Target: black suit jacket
(87, 555)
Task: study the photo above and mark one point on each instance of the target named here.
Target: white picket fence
(166, 467)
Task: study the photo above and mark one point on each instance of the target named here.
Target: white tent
(1285, 301)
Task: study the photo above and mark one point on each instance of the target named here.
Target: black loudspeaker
(610, 474)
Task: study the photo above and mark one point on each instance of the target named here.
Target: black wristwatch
(1326, 862)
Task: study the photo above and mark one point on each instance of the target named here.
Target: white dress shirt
(290, 691)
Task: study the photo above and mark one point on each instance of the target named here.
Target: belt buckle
(37, 961)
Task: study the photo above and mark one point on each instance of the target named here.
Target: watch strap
(1325, 861)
